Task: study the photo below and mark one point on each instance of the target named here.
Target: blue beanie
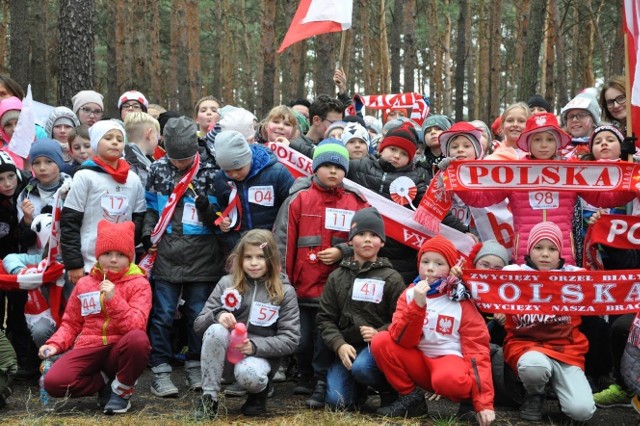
(49, 148)
(331, 151)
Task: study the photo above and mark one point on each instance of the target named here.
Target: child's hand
(227, 320)
(245, 348)
(420, 293)
(330, 256)
(594, 217)
(367, 333)
(340, 80)
(108, 288)
(486, 417)
(225, 225)
(431, 396)
(500, 318)
(347, 354)
(75, 274)
(284, 141)
(47, 351)
(27, 209)
(456, 271)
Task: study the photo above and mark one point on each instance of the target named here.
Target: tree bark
(495, 23)
(561, 73)
(39, 66)
(461, 57)
(550, 42)
(470, 71)
(533, 42)
(446, 40)
(395, 30)
(409, 64)
(193, 53)
(324, 66)
(156, 65)
(19, 27)
(267, 55)
(4, 24)
(484, 61)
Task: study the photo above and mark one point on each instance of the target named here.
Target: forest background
(471, 57)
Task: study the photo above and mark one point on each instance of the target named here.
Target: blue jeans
(165, 302)
(342, 385)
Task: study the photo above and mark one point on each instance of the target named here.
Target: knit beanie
(373, 124)
(539, 101)
(403, 137)
(440, 245)
(84, 97)
(543, 122)
(585, 101)
(232, 150)
(180, 138)
(367, 219)
(354, 119)
(133, 95)
(303, 123)
(442, 122)
(465, 129)
(603, 128)
(48, 148)
(60, 115)
(336, 125)
(7, 164)
(545, 230)
(8, 116)
(396, 122)
(238, 119)
(493, 248)
(116, 237)
(331, 151)
(164, 117)
(99, 129)
(355, 131)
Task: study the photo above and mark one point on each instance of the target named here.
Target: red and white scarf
(149, 259)
(413, 101)
(613, 230)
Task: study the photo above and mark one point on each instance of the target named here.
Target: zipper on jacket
(106, 321)
(475, 371)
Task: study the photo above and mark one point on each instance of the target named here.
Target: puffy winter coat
(127, 310)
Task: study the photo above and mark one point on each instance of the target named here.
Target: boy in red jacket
(102, 338)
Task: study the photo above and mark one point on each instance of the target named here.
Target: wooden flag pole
(627, 77)
(341, 54)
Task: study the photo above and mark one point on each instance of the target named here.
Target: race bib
(338, 219)
(367, 290)
(190, 215)
(90, 303)
(544, 200)
(262, 195)
(263, 314)
(114, 205)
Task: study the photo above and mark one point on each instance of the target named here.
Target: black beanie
(539, 101)
(367, 219)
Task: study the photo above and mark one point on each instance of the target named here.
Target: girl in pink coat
(102, 338)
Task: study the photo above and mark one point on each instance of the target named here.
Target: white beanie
(99, 129)
(355, 131)
(84, 97)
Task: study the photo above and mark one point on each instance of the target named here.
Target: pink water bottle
(237, 337)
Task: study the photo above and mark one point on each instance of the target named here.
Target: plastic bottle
(237, 337)
(45, 365)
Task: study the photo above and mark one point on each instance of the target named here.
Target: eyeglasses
(486, 265)
(134, 106)
(578, 116)
(89, 111)
(620, 100)
(330, 121)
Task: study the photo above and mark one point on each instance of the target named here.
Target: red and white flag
(632, 28)
(315, 17)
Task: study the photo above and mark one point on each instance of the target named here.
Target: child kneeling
(253, 294)
(102, 337)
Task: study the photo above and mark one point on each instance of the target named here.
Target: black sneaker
(388, 397)
(256, 404)
(466, 412)
(304, 386)
(411, 405)
(531, 408)
(318, 396)
(117, 404)
(207, 408)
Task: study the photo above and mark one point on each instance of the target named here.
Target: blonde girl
(513, 122)
(254, 294)
(281, 125)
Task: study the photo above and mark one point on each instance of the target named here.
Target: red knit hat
(545, 230)
(440, 245)
(116, 237)
(404, 136)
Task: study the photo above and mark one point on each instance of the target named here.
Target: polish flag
(632, 28)
(315, 17)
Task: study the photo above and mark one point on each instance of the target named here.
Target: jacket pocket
(310, 241)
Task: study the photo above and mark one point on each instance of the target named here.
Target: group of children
(309, 267)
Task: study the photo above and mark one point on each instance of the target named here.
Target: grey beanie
(180, 138)
(367, 219)
(60, 115)
(492, 247)
(442, 122)
(585, 101)
(232, 150)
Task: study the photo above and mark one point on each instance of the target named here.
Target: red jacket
(301, 232)
(127, 310)
(407, 330)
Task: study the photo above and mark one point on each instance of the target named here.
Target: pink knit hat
(545, 230)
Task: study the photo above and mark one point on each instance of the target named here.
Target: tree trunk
(495, 23)
(585, 53)
(138, 63)
(483, 70)
(324, 64)
(4, 24)
(561, 73)
(394, 44)
(446, 40)
(523, 16)
(461, 56)
(533, 42)
(76, 55)
(470, 70)
(436, 87)
(268, 55)
(385, 65)
(156, 65)
(39, 64)
(113, 91)
(550, 42)
(19, 28)
(409, 64)
(193, 53)
(367, 47)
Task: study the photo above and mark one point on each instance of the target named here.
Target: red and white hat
(543, 122)
(133, 95)
(462, 128)
(545, 230)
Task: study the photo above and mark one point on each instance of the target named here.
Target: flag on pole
(25, 132)
(315, 17)
(632, 30)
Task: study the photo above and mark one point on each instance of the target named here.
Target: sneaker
(235, 389)
(4, 396)
(117, 404)
(193, 375)
(104, 395)
(304, 386)
(317, 399)
(531, 408)
(271, 389)
(256, 404)
(280, 376)
(613, 396)
(162, 385)
(635, 403)
(207, 408)
(411, 405)
(466, 412)
(388, 397)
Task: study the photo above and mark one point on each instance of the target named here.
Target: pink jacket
(127, 310)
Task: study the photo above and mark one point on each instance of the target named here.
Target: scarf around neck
(119, 174)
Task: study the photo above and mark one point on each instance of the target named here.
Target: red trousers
(77, 372)
(406, 368)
